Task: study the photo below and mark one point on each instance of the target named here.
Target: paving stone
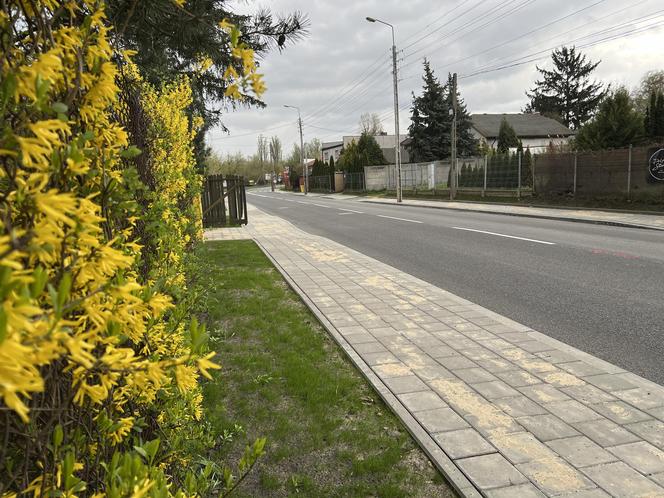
(463, 443)
(456, 362)
(426, 400)
(392, 370)
(434, 373)
(556, 356)
(657, 412)
(495, 365)
(610, 382)
(572, 411)
(408, 384)
(521, 447)
(650, 430)
(491, 471)
(642, 398)
(495, 389)
(518, 378)
(520, 406)
(588, 394)
(379, 358)
(606, 433)
(559, 378)
(369, 347)
(543, 393)
(658, 478)
(554, 476)
(522, 491)
(441, 352)
(580, 451)
(497, 344)
(621, 481)
(580, 368)
(642, 456)
(359, 338)
(441, 420)
(534, 346)
(476, 354)
(586, 493)
(620, 412)
(473, 375)
(547, 427)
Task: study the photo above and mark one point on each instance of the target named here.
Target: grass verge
(284, 378)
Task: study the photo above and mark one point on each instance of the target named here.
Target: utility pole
(395, 83)
(304, 167)
(453, 174)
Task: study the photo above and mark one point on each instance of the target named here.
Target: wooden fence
(224, 201)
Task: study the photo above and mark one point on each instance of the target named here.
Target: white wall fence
(428, 176)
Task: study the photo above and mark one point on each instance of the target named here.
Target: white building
(331, 149)
(535, 131)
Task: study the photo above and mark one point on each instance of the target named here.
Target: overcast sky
(343, 67)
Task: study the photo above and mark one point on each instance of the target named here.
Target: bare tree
(262, 152)
(275, 156)
(370, 124)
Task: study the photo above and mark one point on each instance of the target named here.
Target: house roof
(331, 145)
(525, 125)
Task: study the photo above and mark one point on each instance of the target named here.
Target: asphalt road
(598, 288)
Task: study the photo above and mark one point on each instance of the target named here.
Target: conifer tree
(566, 92)
(506, 137)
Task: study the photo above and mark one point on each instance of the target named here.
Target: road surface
(598, 288)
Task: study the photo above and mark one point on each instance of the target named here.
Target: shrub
(99, 357)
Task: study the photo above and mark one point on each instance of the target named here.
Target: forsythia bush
(99, 358)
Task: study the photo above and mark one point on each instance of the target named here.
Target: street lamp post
(397, 140)
(304, 166)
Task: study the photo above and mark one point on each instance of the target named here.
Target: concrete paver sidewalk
(653, 221)
(502, 410)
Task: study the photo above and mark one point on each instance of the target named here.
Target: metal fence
(320, 183)
(631, 172)
(354, 182)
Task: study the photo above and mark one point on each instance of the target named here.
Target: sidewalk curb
(438, 457)
(526, 215)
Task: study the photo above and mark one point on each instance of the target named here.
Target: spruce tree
(566, 92)
(431, 124)
(506, 137)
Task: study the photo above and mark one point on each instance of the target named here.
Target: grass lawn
(284, 378)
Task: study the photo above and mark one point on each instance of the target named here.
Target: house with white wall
(535, 131)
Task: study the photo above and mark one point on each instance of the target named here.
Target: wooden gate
(224, 201)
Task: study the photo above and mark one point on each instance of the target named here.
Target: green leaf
(131, 152)
(59, 107)
(58, 436)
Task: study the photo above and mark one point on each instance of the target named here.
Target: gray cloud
(342, 46)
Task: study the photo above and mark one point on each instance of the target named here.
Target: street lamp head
(371, 19)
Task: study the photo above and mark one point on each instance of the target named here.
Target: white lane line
(321, 205)
(506, 236)
(284, 207)
(348, 211)
(400, 219)
(302, 202)
(343, 214)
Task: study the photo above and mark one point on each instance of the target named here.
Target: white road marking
(348, 211)
(400, 219)
(302, 202)
(343, 214)
(284, 207)
(506, 236)
(321, 205)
